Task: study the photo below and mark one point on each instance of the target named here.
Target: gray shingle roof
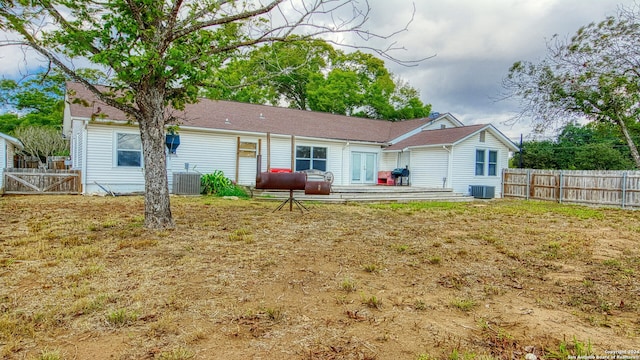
(446, 136)
(235, 116)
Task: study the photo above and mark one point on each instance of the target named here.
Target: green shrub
(234, 190)
(215, 182)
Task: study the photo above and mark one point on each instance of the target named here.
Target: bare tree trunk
(632, 146)
(157, 207)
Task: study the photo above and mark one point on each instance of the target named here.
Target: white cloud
(475, 41)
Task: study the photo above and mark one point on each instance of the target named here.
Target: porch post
(293, 153)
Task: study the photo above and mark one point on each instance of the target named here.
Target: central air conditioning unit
(482, 191)
(186, 183)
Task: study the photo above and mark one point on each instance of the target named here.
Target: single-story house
(438, 151)
(8, 147)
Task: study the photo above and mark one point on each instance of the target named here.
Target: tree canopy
(37, 101)
(588, 147)
(161, 53)
(594, 75)
(313, 75)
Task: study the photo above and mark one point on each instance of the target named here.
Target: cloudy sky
(474, 43)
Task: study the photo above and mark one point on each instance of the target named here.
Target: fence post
(624, 189)
(504, 171)
(528, 183)
(560, 187)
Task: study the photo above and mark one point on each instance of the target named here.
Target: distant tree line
(313, 75)
(34, 101)
(579, 147)
(594, 75)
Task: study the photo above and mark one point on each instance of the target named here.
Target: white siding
(335, 157)
(388, 161)
(77, 145)
(464, 160)
(435, 125)
(100, 164)
(428, 167)
(447, 121)
(404, 159)
(3, 158)
(205, 153)
(280, 153)
(67, 125)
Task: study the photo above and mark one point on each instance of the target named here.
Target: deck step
(344, 194)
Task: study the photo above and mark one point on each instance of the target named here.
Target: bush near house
(218, 184)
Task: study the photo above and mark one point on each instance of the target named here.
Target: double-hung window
(480, 162)
(128, 150)
(492, 166)
(311, 157)
(486, 162)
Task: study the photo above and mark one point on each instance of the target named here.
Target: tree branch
(225, 20)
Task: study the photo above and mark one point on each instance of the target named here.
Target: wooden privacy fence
(39, 181)
(618, 188)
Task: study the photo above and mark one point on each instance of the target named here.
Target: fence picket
(39, 181)
(618, 188)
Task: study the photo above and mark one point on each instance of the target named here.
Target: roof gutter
(14, 141)
(241, 132)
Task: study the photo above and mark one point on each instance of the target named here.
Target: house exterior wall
(66, 118)
(99, 162)
(435, 125)
(463, 164)
(77, 148)
(446, 120)
(388, 161)
(205, 153)
(428, 167)
(93, 151)
(346, 179)
(3, 158)
(335, 156)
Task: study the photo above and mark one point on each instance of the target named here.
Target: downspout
(3, 165)
(449, 166)
(344, 166)
(85, 147)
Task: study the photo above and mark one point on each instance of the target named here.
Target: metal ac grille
(186, 183)
(482, 191)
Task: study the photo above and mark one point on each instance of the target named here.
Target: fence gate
(39, 181)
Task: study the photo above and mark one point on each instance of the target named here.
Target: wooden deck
(373, 193)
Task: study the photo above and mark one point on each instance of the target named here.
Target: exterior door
(363, 168)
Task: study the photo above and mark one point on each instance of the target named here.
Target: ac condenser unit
(482, 191)
(186, 183)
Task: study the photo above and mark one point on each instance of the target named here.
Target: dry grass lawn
(81, 279)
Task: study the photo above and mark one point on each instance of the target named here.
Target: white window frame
(311, 159)
(479, 161)
(487, 165)
(116, 150)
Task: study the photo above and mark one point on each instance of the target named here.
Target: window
(443, 126)
(480, 162)
(483, 135)
(309, 157)
(128, 150)
(491, 161)
(247, 149)
(492, 169)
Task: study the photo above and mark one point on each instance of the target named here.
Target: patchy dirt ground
(81, 279)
